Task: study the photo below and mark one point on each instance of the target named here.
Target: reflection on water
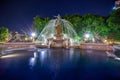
(9, 56)
(53, 57)
(39, 56)
(54, 60)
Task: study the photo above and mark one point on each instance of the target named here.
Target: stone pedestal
(58, 40)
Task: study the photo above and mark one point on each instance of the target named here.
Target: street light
(87, 35)
(33, 36)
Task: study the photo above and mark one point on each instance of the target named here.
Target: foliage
(76, 20)
(78, 38)
(113, 20)
(3, 34)
(113, 23)
(89, 23)
(39, 23)
(100, 27)
(95, 25)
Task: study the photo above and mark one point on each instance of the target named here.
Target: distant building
(117, 4)
(16, 37)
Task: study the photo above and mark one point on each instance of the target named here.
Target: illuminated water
(50, 30)
(58, 64)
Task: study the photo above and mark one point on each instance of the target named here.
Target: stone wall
(96, 46)
(16, 45)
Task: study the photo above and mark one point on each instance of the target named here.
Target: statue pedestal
(58, 43)
(58, 40)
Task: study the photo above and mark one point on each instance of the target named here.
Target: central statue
(58, 40)
(58, 29)
(57, 33)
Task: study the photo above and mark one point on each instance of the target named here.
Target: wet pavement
(58, 64)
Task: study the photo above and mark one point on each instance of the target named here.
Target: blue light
(114, 8)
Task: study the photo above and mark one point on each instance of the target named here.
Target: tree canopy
(113, 23)
(39, 23)
(100, 27)
(3, 34)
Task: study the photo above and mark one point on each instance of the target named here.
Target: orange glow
(10, 56)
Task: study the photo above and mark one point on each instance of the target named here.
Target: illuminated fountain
(58, 33)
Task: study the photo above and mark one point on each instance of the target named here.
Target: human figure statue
(58, 29)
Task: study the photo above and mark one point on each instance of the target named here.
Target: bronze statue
(58, 29)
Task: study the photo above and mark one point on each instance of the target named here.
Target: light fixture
(33, 34)
(87, 35)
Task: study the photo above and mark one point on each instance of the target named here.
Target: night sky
(18, 14)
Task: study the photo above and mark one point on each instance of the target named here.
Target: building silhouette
(117, 4)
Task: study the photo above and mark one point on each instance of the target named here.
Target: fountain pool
(58, 64)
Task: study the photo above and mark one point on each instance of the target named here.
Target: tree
(3, 34)
(76, 21)
(95, 25)
(39, 23)
(67, 17)
(113, 23)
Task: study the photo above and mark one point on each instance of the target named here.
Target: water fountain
(58, 33)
